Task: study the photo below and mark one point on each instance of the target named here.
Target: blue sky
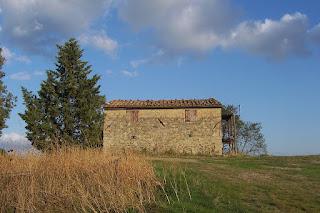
(263, 55)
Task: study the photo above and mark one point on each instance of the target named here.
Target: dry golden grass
(75, 180)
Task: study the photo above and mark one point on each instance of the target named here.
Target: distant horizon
(264, 57)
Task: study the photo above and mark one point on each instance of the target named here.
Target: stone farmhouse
(164, 126)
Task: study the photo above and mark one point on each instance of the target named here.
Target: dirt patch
(284, 168)
(315, 162)
(220, 171)
(213, 168)
(182, 160)
(254, 176)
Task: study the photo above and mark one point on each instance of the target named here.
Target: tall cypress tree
(7, 99)
(68, 109)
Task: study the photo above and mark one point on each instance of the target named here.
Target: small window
(133, 116)
(190, 115)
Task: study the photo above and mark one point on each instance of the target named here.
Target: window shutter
(190, 115)
(133, 116)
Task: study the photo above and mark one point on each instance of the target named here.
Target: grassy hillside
(266, 184)
(95, 181)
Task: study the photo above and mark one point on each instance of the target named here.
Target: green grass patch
(238, 184)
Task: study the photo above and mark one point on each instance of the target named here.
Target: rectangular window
(133, 115)
(190, 115)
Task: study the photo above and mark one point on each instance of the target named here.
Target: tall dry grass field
(75, 180)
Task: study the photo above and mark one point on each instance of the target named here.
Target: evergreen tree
(7, 100)
(68, 109)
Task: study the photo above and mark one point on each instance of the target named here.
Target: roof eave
(150, 108)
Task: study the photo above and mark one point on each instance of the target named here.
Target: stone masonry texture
(164, 131)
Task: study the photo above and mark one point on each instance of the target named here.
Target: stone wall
(164, 131)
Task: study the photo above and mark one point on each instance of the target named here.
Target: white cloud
(139, 62)
(100, 41)
(23, 59)
(15, 141)
(198, 26)
(38, 73)
(25, 76)
(20, 76)
(9, 56)
(130, 74)
(109, 72)
(194, 26)
(315, 33)
(270, 38)
(157, 56)
(179, 27)
(37, 25)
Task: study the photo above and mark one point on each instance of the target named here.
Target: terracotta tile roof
(163, 104)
